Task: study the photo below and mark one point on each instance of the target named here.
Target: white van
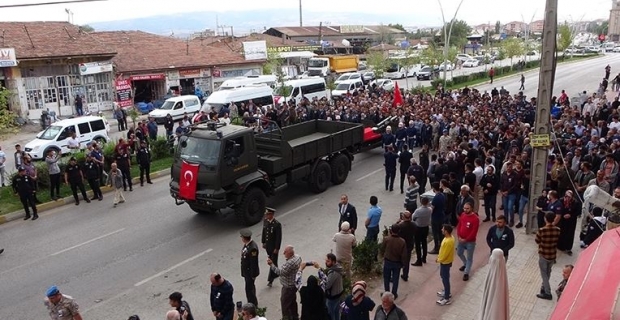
(346, 86)
(261, 95)
(238, 82)
(302, 88)
(177, 107)
(56, 136)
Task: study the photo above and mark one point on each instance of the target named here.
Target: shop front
(190, 81)
(148, 87)
(222, 74)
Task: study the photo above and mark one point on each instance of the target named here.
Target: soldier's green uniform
(65, 309)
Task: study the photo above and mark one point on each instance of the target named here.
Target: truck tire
(321, 177)
(340, 168)
(251, 210)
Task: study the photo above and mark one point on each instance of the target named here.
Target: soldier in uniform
(91, 171)
(75, 179)
(60, 306)
(25, 187)
(271, 240)
(249, 265)
(144, 161)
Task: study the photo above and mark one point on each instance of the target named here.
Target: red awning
(592, 289)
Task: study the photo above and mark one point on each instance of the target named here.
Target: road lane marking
(159, 274)
(298, 208)
(368, 175)
(87, 242)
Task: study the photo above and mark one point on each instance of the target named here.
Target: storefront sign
(540, 140)
(95, 67)
(191, 73)
(123, 93)
(217, 73)
(7, 57)
(158, 76)
(293, 49)
(255, 50)
(240, 73)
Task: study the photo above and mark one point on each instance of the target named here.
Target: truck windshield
(317, 63)
(167, 105)
(342, 86)
(202, 151)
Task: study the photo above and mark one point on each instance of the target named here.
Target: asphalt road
(127, 260)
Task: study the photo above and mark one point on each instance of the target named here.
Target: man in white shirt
(2, 166)
(479, 172)
(73, 143)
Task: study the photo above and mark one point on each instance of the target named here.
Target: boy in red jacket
(467, 230)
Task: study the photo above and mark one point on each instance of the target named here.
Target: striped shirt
(411, 197)
(547, 239)
(288, 271)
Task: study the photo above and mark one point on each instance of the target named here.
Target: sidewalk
(417, 296)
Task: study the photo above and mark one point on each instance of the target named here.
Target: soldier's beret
(245, 233)
(52, 291)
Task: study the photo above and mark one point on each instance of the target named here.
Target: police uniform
(249, 266)
(144, 161)
(91, 171)
(73, 176)
(272, 240)
(65, 309)
(25, 187)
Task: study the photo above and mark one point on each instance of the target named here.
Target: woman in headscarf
(357, 306)
(495, 303)
(312, 301)
(571, 208)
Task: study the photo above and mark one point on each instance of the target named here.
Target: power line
(45, 3)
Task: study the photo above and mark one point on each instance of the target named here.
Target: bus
(261, 95)
(302, 88)
(238, 82)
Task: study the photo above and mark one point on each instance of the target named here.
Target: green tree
(603, 28)
(87, 28)
(377, 62)
(512, 47)
(498, 27)
(565, 38)
(331, 85)
(397, 26)
(459, 34)
(8, 123)
(410, 60)
(431, 56)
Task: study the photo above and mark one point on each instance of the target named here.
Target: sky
(423, 13)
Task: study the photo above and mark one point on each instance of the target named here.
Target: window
(178, 106)
(191, 102)
(313, 88)
(84, 128)
(97, 125)
(66, 133)
(264, 101)
(295, 92)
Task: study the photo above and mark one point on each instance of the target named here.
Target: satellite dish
(346, 43)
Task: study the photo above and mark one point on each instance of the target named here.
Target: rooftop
(307, 31)
(50, 39)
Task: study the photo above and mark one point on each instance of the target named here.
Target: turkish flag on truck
(188, 181)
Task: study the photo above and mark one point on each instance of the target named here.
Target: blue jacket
(390, 161)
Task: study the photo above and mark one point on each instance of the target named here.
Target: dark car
(426, 73)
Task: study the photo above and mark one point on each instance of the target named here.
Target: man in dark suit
(500, 236)
(249, 265)
(271, 240)
(347, 213)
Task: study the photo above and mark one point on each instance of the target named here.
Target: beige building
(614, 21)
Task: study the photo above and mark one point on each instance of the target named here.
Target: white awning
(297, 54)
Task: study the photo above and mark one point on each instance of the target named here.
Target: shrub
(160, 148)
(365, 257)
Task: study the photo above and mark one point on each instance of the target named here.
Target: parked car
(471, 63)
(447, 65)
(463, 57)
(484, 59)
(348, 76)
(177, 107)
(368, 77)
(347, 86)
(593, 49)
(426, 73)
(616, 49)
(386, 84)
(303, 75)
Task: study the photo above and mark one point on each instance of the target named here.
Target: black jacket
(272, 235)
(492, 180)
(407, 231)
(505, 242)
(249, 260)
(144, 157)
(91, 170)
(221, 298)
(404, 159)
(349, 215)
(23, 185)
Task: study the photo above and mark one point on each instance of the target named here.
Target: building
(47, 64)
(536, 27)
(614, 22)
(356, 35)
(515, 27)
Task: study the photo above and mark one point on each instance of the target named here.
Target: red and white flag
(188, 181)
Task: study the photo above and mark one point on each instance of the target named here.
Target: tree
(331, 85)
(273, 65)
(460, 32)
(87, 28)
(565, 38)
(8, 123)
(411, 59)
(498, 27)
(512, 47)
(431, 56)
(603, 28)
(377, 62)
(397, 26)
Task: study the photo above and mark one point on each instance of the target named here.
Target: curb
(20, 214)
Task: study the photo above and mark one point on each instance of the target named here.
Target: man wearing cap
(60, 306)
(249, 265)
(345, 242)
(271, 240)
(144, 161)
(91, 172)
(74, 178)
(24, 186)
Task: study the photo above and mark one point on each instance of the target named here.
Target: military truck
(239, 169)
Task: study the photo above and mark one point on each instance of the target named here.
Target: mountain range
(245, 22)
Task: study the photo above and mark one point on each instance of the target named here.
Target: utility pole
(543, 106)
(528, 30)
(447, 35)
(300, 15)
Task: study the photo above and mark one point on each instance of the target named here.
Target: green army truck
(239, 169)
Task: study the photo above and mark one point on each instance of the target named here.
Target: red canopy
(592, 288)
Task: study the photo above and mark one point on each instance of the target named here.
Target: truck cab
(319, 67)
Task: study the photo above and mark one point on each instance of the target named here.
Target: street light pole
(528, 29)
(300, 15)
(447, 35)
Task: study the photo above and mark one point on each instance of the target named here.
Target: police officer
(60, 306)
(24, 186)
(390, 167)
(91, 171)
(249, 265)
(404, 159)
(144, 161)
(74, 178)
(123, 162)
(271, 240)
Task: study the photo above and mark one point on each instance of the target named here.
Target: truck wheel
(252, 207)
(321, 177)
(340, 168)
